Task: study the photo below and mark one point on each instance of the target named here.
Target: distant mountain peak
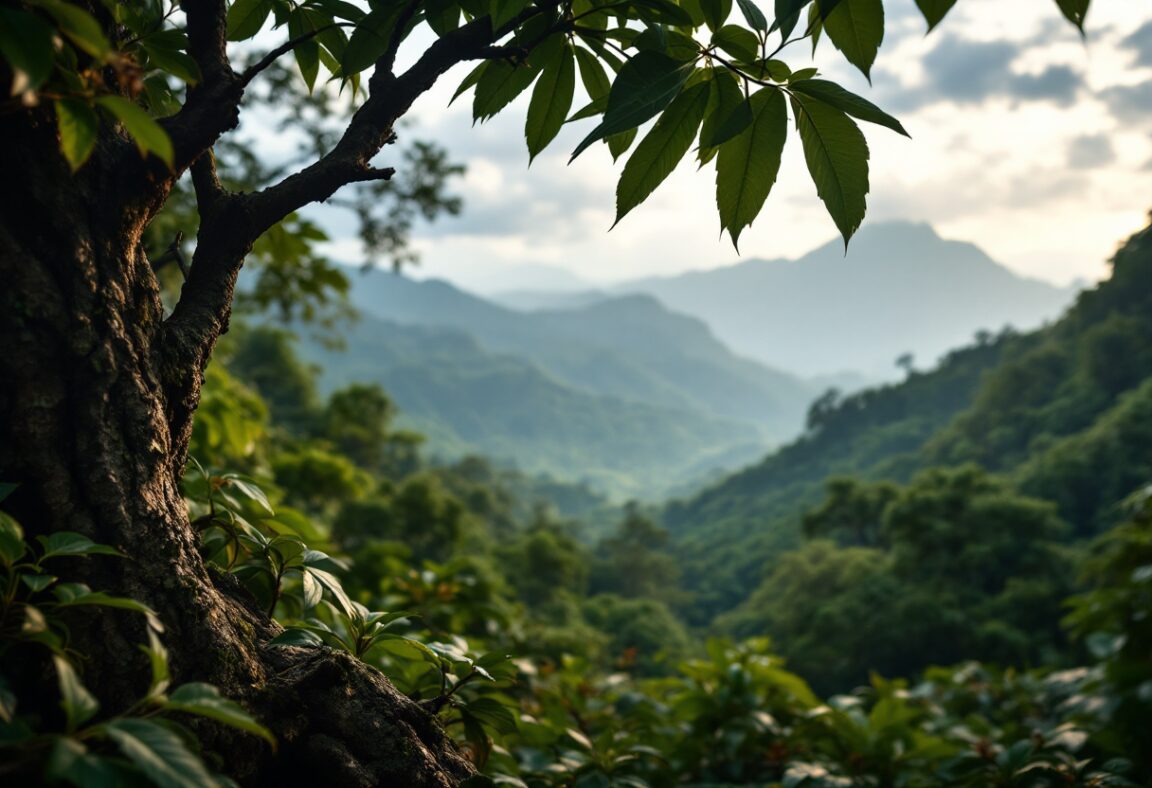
(900, 288)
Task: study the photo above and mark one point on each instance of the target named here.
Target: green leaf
(77, 124)
(78, 703)
(551, 100)
(370, 40)
(747, 165)
(837, 157)
(443, 15)
(856, 27)
(715, 12)
(592, 74)
(12, 546)
(725, 98)
(661, 149)
(26, 43)
(788, 16)
(246, 17)
(645, 85)
(778, 70)
(802, 74)
(294, 636)
(738, 119)
(470, 80)
(312, 590)
(332, 584)
(492, 714)
(504, 11)
(101, 599)
(204, 700)
(934, 11)
(824, 8)
(590, 110)
(145, 132)
(499, 85)
(737, 42)
(71, 543)
(71, 762)
(80, 26)
(158, 752)
(845, 101)
(753, 15)
(38, 582)
(618, 144)
(307, 53)
(176, 62)
(249, 491)
(158, 661)
(663, 11)
(6, 489)
(1074, 11)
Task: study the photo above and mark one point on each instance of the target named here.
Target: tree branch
(374, 174)
(230, 223)
(206, 183)
(388, 61)
(263, 63)
(213, 104)
(371, 127)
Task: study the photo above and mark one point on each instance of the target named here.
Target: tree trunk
(95, 434)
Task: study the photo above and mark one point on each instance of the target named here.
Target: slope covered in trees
(624, 393)
(904, 473)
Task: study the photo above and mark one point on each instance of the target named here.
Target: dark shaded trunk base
(342, 723)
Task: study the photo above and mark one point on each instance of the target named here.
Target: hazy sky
(1025, 141)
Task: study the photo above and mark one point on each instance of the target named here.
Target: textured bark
(96, 400)
(98, 389)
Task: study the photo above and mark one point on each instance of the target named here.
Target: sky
(1026, 140)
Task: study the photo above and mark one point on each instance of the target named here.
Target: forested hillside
(1015, 448)
(435, 573)
(623, 393)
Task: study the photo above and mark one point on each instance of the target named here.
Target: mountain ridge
(901, 288)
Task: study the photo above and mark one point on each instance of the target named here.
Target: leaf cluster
(144, 744)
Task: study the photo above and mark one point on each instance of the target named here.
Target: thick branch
(371, 127)
(213, 104)
(231, 223)
(206, 183)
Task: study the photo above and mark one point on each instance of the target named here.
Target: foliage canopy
(710, 76)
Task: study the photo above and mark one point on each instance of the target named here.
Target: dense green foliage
(1056, 413)
(562, 655)
(51, 726)
(329, 519)
(901, 569)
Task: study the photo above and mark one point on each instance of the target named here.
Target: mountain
(525, 299)
(622, 392)
(629, 347)
(491, 279)
(900, 289)
(469, 400)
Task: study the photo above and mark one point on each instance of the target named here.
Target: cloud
(1140, 43)
(1090, 151)
(1130, 103)
(1058, 84)
(968, 72)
